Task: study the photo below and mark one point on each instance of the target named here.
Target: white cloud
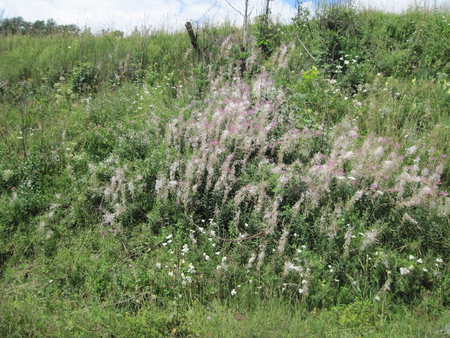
(167, 14)
(125, 15)
(400, 5)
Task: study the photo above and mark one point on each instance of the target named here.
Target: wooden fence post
(192, 36)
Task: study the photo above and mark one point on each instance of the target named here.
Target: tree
(14, 25)
(38, 27)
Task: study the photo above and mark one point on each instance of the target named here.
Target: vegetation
(298, 188)
(18, 25)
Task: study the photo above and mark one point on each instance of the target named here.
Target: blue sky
(168, 14)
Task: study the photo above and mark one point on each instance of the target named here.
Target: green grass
(150, 190)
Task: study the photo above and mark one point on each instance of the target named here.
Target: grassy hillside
(296, 188)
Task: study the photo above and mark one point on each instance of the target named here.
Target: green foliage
(268, 34)
(84, 78)
(147, 190)
(18, 25)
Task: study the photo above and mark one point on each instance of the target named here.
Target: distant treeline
(18, 25)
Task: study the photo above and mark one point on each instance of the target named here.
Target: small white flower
(158, 265)
(169, 237)
(191, 268)
(439, 260)
(224, 259)
(300, 290)
(233, 292)
(411, 257)
(185, 249)
(404, 271)
(425, 270)
(420, 261)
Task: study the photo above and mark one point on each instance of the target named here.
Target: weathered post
(192, 36)
(244, 43)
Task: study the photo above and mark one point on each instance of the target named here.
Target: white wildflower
(185, 249)
(404, 271)
(191, 268)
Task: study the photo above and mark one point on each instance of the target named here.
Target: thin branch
(234, 8)
(303, 43)
(210, 9)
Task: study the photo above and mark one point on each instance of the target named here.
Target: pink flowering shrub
(248, 167)
(240, 151)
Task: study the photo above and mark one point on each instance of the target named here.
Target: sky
(125, 15)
